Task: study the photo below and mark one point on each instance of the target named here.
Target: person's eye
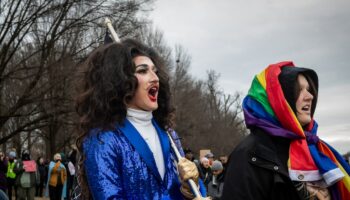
(308, 89)
(141, 71)
(155, 70)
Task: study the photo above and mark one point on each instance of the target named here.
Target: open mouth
(306, 108)
(153, 93)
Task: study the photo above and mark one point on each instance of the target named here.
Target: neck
(139, 116)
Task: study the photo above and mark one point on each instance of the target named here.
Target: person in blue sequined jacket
(125, 112)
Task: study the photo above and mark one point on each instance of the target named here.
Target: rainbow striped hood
(310, 159)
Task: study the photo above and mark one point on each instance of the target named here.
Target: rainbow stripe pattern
(310, 159)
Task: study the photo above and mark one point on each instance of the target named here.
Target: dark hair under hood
(288, 80)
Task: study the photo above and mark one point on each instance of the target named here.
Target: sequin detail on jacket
(119, 165)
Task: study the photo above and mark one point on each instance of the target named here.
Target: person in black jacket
(216, 184)
(3, 170)
(204, 170)
(281, 158)
(42, 169)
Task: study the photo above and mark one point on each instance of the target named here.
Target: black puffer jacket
(258, 170)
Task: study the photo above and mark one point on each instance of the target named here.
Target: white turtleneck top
(142, 121)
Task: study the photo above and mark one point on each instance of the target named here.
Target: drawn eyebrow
(141, 65)
(145, 65)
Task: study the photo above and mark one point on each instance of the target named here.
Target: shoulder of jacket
(98, 136)
(246, 145)
(103, 141)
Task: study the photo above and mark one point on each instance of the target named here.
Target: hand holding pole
(178, 156)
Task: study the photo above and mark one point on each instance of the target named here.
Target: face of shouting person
(146, 94)
(304, 101)
(205, 163)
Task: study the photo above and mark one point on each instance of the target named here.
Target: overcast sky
(239, 38)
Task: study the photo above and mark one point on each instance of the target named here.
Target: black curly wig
(107, 85)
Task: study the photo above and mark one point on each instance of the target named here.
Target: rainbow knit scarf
(310, 159)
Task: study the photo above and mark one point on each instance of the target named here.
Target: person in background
(27, 177)
(71, 172)
(223, 159)
(282, 157)
(188, 154)
(72, 155)
(43, 177)
(56, 179)
(11, 175)
(3, 170)
(210, 157)
(205, 172)
(216, 184)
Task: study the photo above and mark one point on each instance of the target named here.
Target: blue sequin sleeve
(101, 166)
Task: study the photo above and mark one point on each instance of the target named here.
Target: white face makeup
(146, 95)
(304, 101)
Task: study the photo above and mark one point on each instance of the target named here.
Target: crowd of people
(24, 178)
(211, 171)
(54, 178)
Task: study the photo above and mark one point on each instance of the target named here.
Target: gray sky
(239, 38)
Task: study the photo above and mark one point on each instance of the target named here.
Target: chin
(305, 122)
(304, 119)
(153, 107)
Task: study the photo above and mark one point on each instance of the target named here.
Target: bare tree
(224, 111)
(154, 38)
(40, 44)
(206, 117)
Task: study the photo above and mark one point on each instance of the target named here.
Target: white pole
(178, 156)
(111, 30)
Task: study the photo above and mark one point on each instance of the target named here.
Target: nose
(154, 77)
(309, 96)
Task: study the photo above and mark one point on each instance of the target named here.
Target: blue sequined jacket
(120, 165)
